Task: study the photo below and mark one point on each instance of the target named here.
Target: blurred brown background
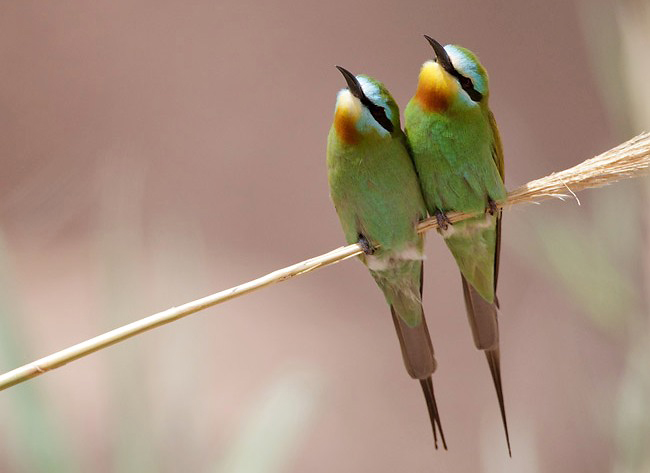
(154, 152)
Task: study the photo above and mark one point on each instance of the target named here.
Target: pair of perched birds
(384, 181)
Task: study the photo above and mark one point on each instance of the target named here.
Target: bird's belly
(388, 261)
(472, 229)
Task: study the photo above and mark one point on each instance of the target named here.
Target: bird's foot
(492, 207)
(442, 220)
(365, 245)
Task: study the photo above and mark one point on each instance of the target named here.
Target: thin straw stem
(630, 159)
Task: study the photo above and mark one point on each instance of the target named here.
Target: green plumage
(377, 197)
(454, 154)
(457, 152)
(376, 194)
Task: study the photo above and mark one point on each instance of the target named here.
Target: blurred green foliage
(32, 435)
(152, 423)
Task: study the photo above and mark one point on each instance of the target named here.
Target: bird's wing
(497, 155)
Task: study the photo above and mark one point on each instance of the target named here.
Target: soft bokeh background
(154, 152)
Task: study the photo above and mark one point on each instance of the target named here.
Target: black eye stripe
(465, 82)
(468, 86)
(378, 113)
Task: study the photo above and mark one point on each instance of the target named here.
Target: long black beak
(441, 55)
(353, 83)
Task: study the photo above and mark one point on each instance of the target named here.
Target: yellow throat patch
(436, 87)
(348, 111)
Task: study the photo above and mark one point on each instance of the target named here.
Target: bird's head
(454, 78)
(364, 108)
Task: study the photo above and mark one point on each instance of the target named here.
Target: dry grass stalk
(630, 159)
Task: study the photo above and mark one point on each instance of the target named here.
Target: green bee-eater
(379, 202)
(457, 153)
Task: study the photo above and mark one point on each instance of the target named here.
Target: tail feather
(484, 323)
(434, 416)
(482, 317)
(494, 361)
(417, 352)
(405, 302)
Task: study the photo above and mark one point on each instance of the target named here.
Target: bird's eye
(379, 114)
(468, 86)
